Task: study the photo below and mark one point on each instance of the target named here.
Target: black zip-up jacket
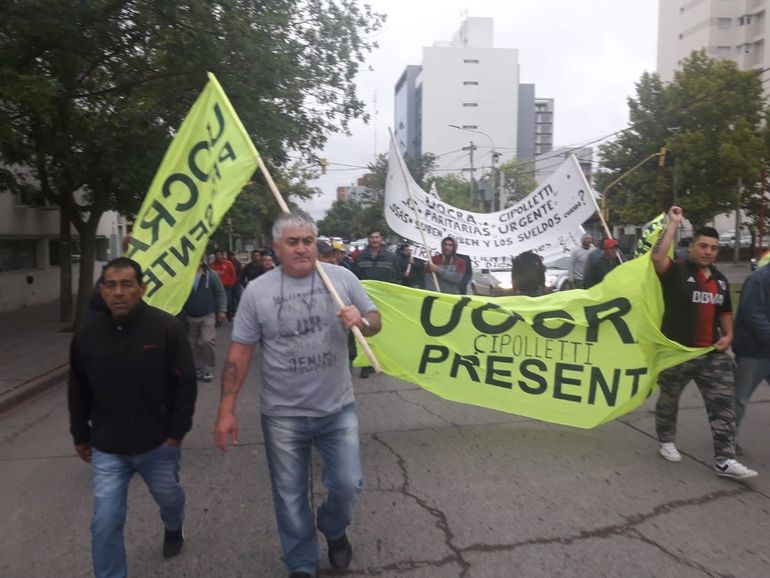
(132, 384)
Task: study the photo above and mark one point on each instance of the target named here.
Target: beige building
(734, 29)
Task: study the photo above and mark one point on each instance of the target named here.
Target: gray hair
(295, 218)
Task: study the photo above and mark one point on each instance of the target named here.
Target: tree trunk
(65, 268)
(87, 260)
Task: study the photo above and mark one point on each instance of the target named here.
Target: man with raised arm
(697, 313)
(307, 392)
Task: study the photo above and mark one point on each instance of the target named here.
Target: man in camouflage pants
(698, 314)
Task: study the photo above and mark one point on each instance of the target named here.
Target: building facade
(725, 29)
(29, 250)
(465, 104)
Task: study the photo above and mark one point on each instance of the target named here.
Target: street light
(603, 214)
(494, 154)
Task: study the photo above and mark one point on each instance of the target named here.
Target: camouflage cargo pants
(713, 374)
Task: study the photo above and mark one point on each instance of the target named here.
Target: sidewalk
(34, 348)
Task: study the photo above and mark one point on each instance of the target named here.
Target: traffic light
(324, 163)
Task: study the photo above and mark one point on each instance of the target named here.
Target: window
(723, 52)
(471, 61)
(18, 254)
(470, 104)
(470, 83)
(724, 23)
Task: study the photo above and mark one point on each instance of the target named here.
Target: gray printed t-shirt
(305, 368)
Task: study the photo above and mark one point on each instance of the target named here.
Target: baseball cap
(610, 243)
(324, 248)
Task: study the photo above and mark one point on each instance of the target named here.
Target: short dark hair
(373, 231)
(124, 263)
(705, 232)
(528, 273)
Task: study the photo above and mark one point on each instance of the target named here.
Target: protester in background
(253, 268)
(226, 271)
(448, 267)
(376, 263)
(528, 275)
(698, 313)
(268, 264)
(326, 253)
(751, 345)
(131, 399)
(237, 287)
(463, 286)
(600, 262)
(413, 270)
(577, 260)
(342, 257)
(304, 402)
(205, 309)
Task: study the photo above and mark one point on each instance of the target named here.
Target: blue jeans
(288, 441)
(111, 473)
(749, 371)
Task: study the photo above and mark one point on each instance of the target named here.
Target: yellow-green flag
(209, 161)
(578, 358)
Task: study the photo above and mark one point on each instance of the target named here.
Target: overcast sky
(586, 54)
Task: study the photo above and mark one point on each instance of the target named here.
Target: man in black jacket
(131, 396)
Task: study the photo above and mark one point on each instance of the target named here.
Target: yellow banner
(578, 358)
(209, 161)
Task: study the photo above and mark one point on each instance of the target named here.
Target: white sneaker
(669, 452)
(733, 469)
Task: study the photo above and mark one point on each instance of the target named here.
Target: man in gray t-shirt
(307, 391)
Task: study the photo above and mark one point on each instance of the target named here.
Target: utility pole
(471, 148)
(229, 234)
(737, 237)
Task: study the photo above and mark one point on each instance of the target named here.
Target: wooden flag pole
(416, 215)
(321, 273)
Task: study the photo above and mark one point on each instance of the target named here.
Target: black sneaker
(172, 542)
(340, 552)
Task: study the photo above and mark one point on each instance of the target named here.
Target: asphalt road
(451, 490)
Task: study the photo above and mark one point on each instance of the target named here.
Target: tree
(454, 190)
(518, 181)
(253, 212)
(344, 219)
(710, 119)
(91, 92)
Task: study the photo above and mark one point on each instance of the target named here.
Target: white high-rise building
(734, 29)
(466, 91)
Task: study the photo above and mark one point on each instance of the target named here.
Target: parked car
(494, 281)
(727, 239)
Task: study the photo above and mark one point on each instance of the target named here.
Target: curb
(33, 387)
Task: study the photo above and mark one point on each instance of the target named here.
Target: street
(451, 490)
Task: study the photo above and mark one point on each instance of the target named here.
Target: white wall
(443, 95)
(41, 284)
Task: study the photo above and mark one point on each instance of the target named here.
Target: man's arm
(80, 400)
(754, 309)
(219, 295)
(726, 328)
(659, 256)
(185, 385)
(351, 316)
(233, 375)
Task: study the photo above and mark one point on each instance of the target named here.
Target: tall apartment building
(467, 91)
(734, 29)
